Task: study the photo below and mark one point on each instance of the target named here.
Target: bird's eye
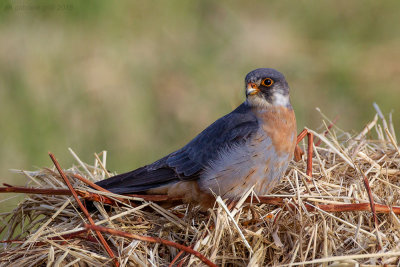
(267, 82)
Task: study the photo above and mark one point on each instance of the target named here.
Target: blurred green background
(141, 78)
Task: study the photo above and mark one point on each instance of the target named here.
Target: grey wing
(188, 162)
(232, 129)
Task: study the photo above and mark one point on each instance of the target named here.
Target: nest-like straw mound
(251, 234)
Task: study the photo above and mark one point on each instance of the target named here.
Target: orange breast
(279, 123)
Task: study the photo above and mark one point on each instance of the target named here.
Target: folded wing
(191, 160)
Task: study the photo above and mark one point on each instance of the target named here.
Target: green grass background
(141, 78)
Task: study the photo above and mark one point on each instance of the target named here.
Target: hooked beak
(252, 89)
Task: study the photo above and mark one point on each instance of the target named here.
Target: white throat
(279, 99)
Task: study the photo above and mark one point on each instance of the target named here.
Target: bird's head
(266, 87)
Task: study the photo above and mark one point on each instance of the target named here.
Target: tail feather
(139, 180)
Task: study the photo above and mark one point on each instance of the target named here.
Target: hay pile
(251, 234)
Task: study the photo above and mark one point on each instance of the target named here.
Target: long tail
(139, 180)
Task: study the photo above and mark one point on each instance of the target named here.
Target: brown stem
(181, 263)
(372, 206)
(90, 183)
(27, 190)
(63, 192)
(379, 208)
(95, 186)
(301, 136)
(151, 240)
(84, 210)
(176, 258)
(298, 153)
(310, 138)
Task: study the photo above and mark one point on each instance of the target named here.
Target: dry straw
(326, 220)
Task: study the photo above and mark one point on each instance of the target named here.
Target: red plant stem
(266, 200)
(301, 136)
(84, 210)
(371, 199)
(379, 208)
(75, 234)
(96, 197)
(298, 153)
(95, 186)
(151, 240)
(372, 205)
(63, 192)
(40, 191)
(180, 264)
(354, 207)
(90, 183)
(176, 258)
(310, 138)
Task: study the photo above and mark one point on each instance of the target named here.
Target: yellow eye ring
(267, 82)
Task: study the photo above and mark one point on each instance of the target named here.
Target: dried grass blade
(222, 204)
(152, 240)
(100, 236)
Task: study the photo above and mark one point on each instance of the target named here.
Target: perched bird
(251, 146)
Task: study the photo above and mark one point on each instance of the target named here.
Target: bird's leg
(298, 153)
